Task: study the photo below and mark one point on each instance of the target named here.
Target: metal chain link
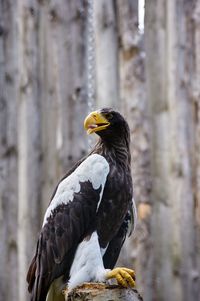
(90, 63)
(91, 83)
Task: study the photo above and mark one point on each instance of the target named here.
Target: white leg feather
(88, 263)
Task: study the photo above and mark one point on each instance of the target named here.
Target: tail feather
(31, 274)
(55, 291)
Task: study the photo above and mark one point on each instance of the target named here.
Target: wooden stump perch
(102, 292)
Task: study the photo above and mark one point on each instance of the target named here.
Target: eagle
(90, 214)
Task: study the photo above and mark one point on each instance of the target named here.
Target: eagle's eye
(108, 116)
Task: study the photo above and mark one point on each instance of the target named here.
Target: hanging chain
(90, 56)
(90, 61)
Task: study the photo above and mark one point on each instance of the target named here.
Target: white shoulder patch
(94, 169)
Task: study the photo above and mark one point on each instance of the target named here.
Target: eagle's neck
(116, 149)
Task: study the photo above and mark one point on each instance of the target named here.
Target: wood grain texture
(106, 43)
(102, 292)
(8, 151)
(154, 79)
(134, 105)
(170, 74)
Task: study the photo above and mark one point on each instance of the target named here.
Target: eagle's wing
(112, 252)
(68, 219)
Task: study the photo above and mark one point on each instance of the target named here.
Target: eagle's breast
(115, 202)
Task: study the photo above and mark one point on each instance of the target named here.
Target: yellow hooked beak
(95, 122)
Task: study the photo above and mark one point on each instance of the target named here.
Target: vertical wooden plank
(50, 106)
(167, 36)
(29, 167)
(133, 104)
(106, 40)
(68, 25)
(8, 150)
(155, 44)
(195, 85)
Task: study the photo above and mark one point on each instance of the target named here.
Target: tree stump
(102, 292)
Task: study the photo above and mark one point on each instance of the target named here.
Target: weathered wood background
(153, 78)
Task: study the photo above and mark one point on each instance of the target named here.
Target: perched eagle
(89, 216)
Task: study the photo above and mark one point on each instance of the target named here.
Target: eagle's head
(108, 124)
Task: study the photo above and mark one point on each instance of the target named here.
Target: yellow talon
(125, 277)
(121, 281)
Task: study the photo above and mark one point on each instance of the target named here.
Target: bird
(90, 214)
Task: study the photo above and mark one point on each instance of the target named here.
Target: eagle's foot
(125, 277)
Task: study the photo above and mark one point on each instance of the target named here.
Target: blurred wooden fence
(152, 78)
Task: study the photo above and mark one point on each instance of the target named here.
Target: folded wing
(69, 218)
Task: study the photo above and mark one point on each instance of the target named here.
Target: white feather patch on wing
(134, 214)
(133, 220)
(103, 250)
(88, 264)
(93, 169)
